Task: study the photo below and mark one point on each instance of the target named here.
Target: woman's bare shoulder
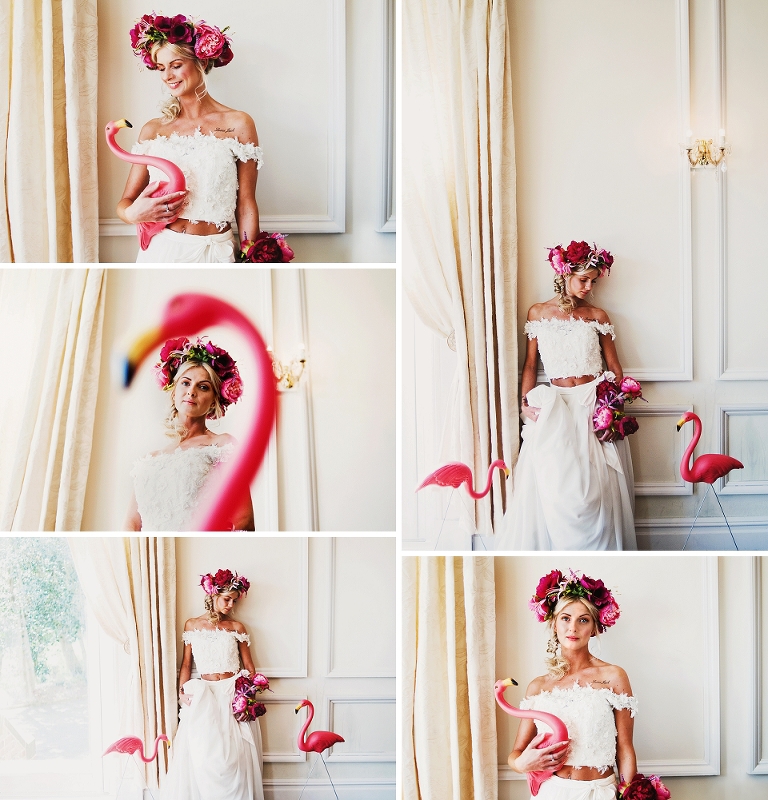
(223, 439)
(151, 129)
(538, 685)
(613, 677)
(541, 311)
(598, 314)
(194, 623)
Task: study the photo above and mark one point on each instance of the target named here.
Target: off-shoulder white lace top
(217, 650)
(588, 715)
(569, 348)
(167, 485)
(209, 165)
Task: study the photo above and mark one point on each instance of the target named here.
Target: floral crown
(577, 254)
(224, 581)
(208, 41)
(555, 587)
(177, 351)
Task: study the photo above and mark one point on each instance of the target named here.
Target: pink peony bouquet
(269, 248)
(245, 706)
(609, 420)
(642, 788)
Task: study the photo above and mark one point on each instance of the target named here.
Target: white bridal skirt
(213, 756)
(170, 247)
(563, 789)
(570, 490)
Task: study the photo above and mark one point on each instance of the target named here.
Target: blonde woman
(571, 490)
(202, 381)
(593, 698)
(216, 147)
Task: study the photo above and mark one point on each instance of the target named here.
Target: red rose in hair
(549, 582)
(223, 578)
(180, 31)
(598, 594)
(171, 346)
(163, 24)
(576, 252)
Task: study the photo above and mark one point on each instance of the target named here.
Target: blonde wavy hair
(564, 301)
(171, 108)
(557, 666)
(174, 428)
(213, 616)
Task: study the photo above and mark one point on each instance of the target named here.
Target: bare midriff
(196, 228)
(217, 676)
(582, 773)
(567, 383)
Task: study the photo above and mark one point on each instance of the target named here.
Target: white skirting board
(289, 788)
(710, 533)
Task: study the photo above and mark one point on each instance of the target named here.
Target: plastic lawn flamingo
(456, 473)
(316, 742)
(176, 181)
(132, 744)
(704, 469)
(185, 315)
(559, 731)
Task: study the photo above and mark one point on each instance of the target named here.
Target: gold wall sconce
(288, 374)
(703, 153)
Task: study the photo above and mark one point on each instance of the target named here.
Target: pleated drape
(448, 705)
(459, 220)
(48, 124)
(45, 463)
(130, 583)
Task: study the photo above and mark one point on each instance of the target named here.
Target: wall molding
(331, 702)
(289, 789)
(279, 756)
(331, 671)
(758, 761)
(723, 414)
(387, 210)
(664, 488)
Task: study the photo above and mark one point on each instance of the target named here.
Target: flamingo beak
(137, 352)
(123, 123)
(509, 682)
(298, 708)
(506, 473)
(680, 424)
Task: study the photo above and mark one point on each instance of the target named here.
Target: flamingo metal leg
(698, 511)
(442, 524)
(726, 521)
(307, 780)
(329, 775)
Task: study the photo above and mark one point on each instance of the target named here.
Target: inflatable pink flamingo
(704, 469)
(185, 315)
(316, 742)
(456, 473)
(176, 181)
(559, 731)
(132, 744)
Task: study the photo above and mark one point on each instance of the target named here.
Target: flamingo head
(301, 705)
(164, 738)
(184, 315)
(687, 417)
(116, 125)
(506, 682)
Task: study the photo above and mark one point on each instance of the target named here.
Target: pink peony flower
(260, 680)
(556, 259)
(207, 584)
(209, 41)
(288, 254)
(232, 389)
(626, 425)
(631, 387)
(603, 418)
(239, 704)
(609, 614)
(661, 790)
(258, 710)
(245, 584)
(548, 582)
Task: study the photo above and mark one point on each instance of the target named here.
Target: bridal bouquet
(609, 417)
(268, 248)
(245, 706)
(642, 788)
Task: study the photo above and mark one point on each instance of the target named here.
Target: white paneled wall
(321, 615)
(600, 119)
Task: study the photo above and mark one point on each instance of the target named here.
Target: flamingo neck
(310, 717)
(251, 452)
(175, 175)
(484, 492)
(685, 466)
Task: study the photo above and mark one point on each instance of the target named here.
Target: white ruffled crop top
(588, 715)
(210, 168)
(569, 348)
(167, 485)
(217, 650)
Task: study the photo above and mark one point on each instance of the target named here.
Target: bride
(214, 755)
(202, 380)
(216, 148)
(571, 490)
(593, 698)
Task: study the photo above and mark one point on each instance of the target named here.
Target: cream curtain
(49, 206)
(130, 583)
(449, 709)
(460, 231)
(51, 321)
